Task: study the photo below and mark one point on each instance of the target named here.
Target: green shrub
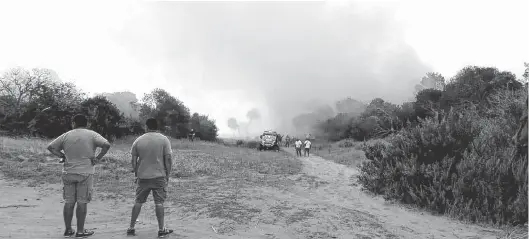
(346, 144)
(239, 142)
(464, 165)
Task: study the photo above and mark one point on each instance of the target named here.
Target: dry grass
(346, 152)
(207, 178)
(520, 232)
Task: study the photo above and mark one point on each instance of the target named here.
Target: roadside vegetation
(450, 150)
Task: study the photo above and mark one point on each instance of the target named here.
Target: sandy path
(400, 222)
(321, 204)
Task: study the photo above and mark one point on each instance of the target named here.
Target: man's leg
(80, 214)
(69, 191)
(67, 214)
(308, 152)
(159, 195)
(141, 197)
(84, 196)
(160, 215)
(136, 209)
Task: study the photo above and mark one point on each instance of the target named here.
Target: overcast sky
(223, 59)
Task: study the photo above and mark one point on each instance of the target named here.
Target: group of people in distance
(298, 145)
(151, 164)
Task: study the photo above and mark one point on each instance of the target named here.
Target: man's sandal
(131, 232)
(69, 233)
(164, 232)
(85, 233)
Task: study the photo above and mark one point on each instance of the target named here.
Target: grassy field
(221, 170)
(346, 152)
(230, 186)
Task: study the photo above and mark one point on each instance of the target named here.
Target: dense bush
(462, 166)
(450, 150)
(204, 127)
(379, 119)
(464, 163)
(335, 128)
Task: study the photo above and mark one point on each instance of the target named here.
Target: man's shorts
(156, 185)
(77, 187)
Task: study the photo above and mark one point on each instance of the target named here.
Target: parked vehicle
(269, 141)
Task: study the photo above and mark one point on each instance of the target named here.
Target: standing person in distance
(151, 164)
(287, 141)
(79, 146)
(298, 144)
(307, 147)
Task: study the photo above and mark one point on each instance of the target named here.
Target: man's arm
(134, 163)
(56, 146)
(103, 143)
(167, 159)
(134, 159)
(168, 163)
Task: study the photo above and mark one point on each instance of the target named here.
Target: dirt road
(323, 203)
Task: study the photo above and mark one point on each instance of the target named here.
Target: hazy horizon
(224, 58)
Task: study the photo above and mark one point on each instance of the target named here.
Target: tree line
(36, 102)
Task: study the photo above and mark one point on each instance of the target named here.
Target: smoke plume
(291, 57)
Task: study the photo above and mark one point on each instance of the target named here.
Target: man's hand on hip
(94, 160)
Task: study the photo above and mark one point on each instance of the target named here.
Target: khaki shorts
(77, 188)
(156, 185)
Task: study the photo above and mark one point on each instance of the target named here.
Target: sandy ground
(323, 203)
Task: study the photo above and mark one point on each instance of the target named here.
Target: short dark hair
(80, 120)
(152, 124)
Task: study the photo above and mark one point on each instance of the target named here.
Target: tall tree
(103, 116)
(207, 130)
(168, 110)
(233, 124)
(252, 115)
(19, 86)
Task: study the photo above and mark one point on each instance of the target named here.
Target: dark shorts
(77, 188)
(156, 185)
